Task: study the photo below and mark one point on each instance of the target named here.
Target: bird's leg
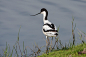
(48, 41)
(46, 44)
(51, 41)
(51, 45)
(52, 38)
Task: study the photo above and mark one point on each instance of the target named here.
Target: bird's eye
(41, 10)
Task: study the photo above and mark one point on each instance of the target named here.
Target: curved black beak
(35, 14)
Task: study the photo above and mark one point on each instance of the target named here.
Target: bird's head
(42, 11)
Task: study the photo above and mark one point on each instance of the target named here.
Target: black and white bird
(49, 29)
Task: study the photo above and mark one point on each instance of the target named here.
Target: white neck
(44, 15)
(44, 20)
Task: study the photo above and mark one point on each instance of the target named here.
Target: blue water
(16, 13)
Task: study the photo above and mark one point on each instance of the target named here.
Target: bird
(48, 29)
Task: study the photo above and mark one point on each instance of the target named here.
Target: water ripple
(79, 1)
(48, 3)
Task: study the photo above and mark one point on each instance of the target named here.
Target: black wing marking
(50, 30)
(50, 25)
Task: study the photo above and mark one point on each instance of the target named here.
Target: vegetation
(67, 50)
(71, 52)
(16, 48)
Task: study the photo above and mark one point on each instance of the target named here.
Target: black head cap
(43, 9)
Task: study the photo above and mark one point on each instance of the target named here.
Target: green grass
(71, 52)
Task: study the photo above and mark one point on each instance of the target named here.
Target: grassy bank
(71, 52)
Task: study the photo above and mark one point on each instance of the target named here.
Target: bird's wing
(49, 27)
(52, 26)
(46, 27)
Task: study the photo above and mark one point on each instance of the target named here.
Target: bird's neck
(45, 17)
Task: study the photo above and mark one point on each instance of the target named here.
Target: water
(16, 13)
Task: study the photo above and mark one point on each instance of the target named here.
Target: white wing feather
(46, 27)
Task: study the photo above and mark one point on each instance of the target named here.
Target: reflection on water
(16, 13)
